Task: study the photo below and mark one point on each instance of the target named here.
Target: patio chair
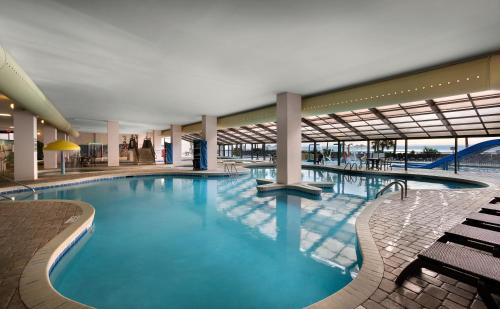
(492, 209)
(461, 263)
(474, 237)
(484, 220)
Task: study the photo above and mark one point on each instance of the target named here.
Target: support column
(455, 156)
(49, 157)
(315, 156)
(140, 139)
(113, 143)
(176, 140)
(406, 154)
(367, 153)
(25, 163)
(339, 149)
(209, 133)
(288, 111)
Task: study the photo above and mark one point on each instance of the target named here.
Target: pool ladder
(230, 168)
(403, 184)
(351, 166)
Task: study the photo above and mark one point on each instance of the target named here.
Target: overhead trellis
(467, 115)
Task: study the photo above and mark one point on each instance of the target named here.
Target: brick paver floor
(401, 229)
(24, 228)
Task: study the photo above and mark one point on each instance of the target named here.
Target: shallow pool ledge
(35, 287)
(372, 269)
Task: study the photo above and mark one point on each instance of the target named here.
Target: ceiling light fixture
(12, 105)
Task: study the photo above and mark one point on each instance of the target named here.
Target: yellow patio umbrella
(62, 145)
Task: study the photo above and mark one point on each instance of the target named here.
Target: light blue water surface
(192, 242)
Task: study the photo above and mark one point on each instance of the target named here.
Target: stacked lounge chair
(475, 261)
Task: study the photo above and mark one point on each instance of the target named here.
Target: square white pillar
(157, 144)
(288, 110)
(113, 143)
(49, 157)
(25, 163)
(209, 133)
(140, 139)
(176, 140)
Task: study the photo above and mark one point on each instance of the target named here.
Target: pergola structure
(467, 115)
(459, 100)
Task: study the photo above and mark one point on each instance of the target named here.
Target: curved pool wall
(191, 241)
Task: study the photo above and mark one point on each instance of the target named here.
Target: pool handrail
(18, 183)
(398, 182)
(351, 165)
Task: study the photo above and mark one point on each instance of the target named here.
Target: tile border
(110, 176)
(35, 288)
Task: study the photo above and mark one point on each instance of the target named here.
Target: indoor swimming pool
(192, 242)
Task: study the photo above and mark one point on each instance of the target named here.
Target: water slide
(477, 148)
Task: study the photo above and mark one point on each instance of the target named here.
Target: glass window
(466, 113)
(452, 98)
(425, 117)
(489, 111)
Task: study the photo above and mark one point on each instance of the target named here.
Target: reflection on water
(214, 242)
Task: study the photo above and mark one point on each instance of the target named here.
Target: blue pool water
(192, 242)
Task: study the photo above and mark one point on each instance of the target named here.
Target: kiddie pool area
(190, 242)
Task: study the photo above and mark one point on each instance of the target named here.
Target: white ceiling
(152, 63)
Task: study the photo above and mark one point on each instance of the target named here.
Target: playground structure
(145, 154)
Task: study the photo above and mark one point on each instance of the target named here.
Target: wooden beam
(245, 135)
(259, 134)
(441, 117)
(315, 127)
(384, 119)
(347, 125)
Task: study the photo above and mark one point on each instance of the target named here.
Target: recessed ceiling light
(5, 115)
(12, 105)
(43, 121)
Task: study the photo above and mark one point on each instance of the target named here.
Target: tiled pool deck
(391, 234)
(26, 227)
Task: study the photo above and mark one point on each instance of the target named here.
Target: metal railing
(5, 197)
(403, 184)
(18, 183)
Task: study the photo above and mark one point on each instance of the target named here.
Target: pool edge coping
(35, 288)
